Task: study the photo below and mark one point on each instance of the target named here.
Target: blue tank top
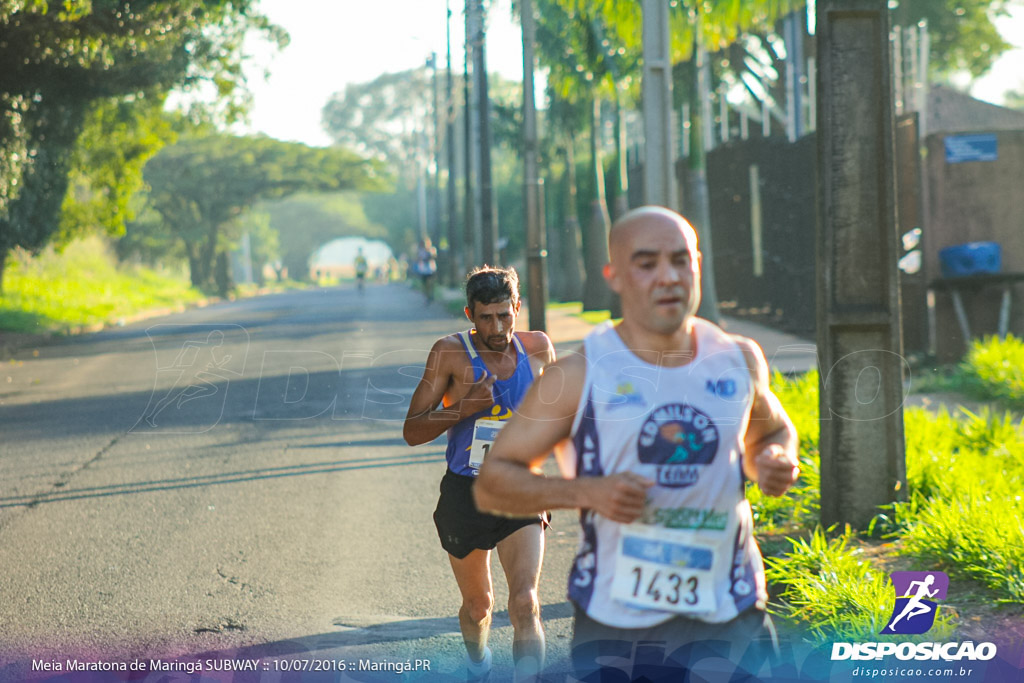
(508, 393)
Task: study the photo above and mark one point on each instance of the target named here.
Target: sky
(1008, 73)
(336, 42)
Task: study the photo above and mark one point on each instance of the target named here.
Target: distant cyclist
(361, 267)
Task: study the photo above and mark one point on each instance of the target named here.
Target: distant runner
(426, 266)
(361, 268)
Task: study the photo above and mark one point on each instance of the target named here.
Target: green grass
(571, 306)
(965, 475)
(832, 592)
(996, 369)
(800, 507)
(991, 370)
(576, 307)
(82, 286)
(595, 317)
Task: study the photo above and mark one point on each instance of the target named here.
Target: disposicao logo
(917, 596)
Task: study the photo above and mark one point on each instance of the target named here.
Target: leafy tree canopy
(963, 34)
(200, 185)
(305, 222)
(384, 119)
(58, 58)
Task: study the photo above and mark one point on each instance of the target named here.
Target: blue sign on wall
(961, 148)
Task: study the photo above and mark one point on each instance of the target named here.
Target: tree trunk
(569, 264)
(222, 275)
(195, 267)
(621, 201)
(596, 295)
(697, 199)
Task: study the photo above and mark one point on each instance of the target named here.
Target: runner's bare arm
(538, 347)
(771, 442)
(428, 416)
(508, 483)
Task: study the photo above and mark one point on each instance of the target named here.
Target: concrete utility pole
(488, 224)
(659, 169)
(471, 240)
(456, 258)
(859, 346)
(421, 183)
(536, 252)
(435, 187)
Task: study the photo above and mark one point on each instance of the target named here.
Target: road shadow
(197, 403)
(370, 631)
(307, 314)
(61, 494)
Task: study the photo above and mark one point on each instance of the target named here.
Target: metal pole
(723, 114)
(793, 25)
(897, 68)
(536, 253)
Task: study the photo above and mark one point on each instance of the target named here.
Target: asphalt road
(231, 483)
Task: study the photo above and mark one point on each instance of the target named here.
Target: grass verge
(82, 287)
(965, 474)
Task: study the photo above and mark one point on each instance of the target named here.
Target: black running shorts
(462, 528)
(671, 649)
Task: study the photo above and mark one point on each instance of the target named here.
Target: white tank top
(693, 552)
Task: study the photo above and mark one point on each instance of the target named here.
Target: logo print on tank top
(680, 440)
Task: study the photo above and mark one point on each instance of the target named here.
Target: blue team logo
(723, 388)
(680, 440)
(916, 606)
(626, 395)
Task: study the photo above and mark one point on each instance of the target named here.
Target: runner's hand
(479, 397)
(776, 471)
(619, 497)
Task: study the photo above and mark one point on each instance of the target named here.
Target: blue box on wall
(970, 259)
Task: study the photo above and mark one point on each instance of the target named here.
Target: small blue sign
(663, 552)
(961, 148)
(487, 432)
